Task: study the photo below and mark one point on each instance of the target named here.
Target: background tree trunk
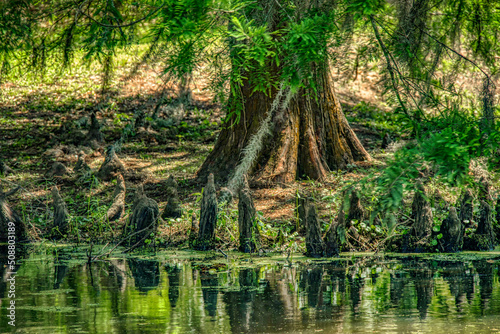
(309, 138)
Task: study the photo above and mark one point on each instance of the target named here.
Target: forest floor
(32, 112)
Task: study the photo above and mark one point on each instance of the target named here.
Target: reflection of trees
(146, 273)
(239, 304)
(292, 298)
(485, 272)
(268, 309)
(337, 272)
(118, 274)
(460, 281)
(21, 253)
(60, 269)
(210, 291)
(311, 285)
(356, 284)
(397, 286)
(423, 281)
(173, 283)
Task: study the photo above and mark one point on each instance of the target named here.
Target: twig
(220, 250)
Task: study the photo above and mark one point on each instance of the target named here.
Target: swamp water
(185, 292)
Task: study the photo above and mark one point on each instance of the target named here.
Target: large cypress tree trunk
(309, 138)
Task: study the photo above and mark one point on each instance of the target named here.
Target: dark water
(57, 292)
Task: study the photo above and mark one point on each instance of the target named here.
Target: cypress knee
(314, 244)
(144, 217)
(249, 234)
(335, 236)
(421, 213)
(173, 207)
(57, 169)
(484, 237)
(95, 135)
(386, 141)
(111, 166)
(61, 215)
(466, 208)
(453, 232)
(356, 211)
(208, 217)
(117, 209)
(10, 220)
(81, 165)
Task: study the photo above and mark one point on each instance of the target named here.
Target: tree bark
(309, 138)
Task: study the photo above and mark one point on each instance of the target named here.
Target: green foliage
(443, 152)
(305, 49)
(267, 43)
(371, 116)
(364, 8)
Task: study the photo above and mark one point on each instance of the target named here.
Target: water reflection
(60, 293)
(461, 282)
(209, 284)
(61, 269)
(173, 272)
(485, 273)
(146, 273)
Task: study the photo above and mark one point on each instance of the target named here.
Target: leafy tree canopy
(427, 49)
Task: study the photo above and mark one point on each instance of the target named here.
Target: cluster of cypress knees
(145, 215)
(450, 238)
(144, 218)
